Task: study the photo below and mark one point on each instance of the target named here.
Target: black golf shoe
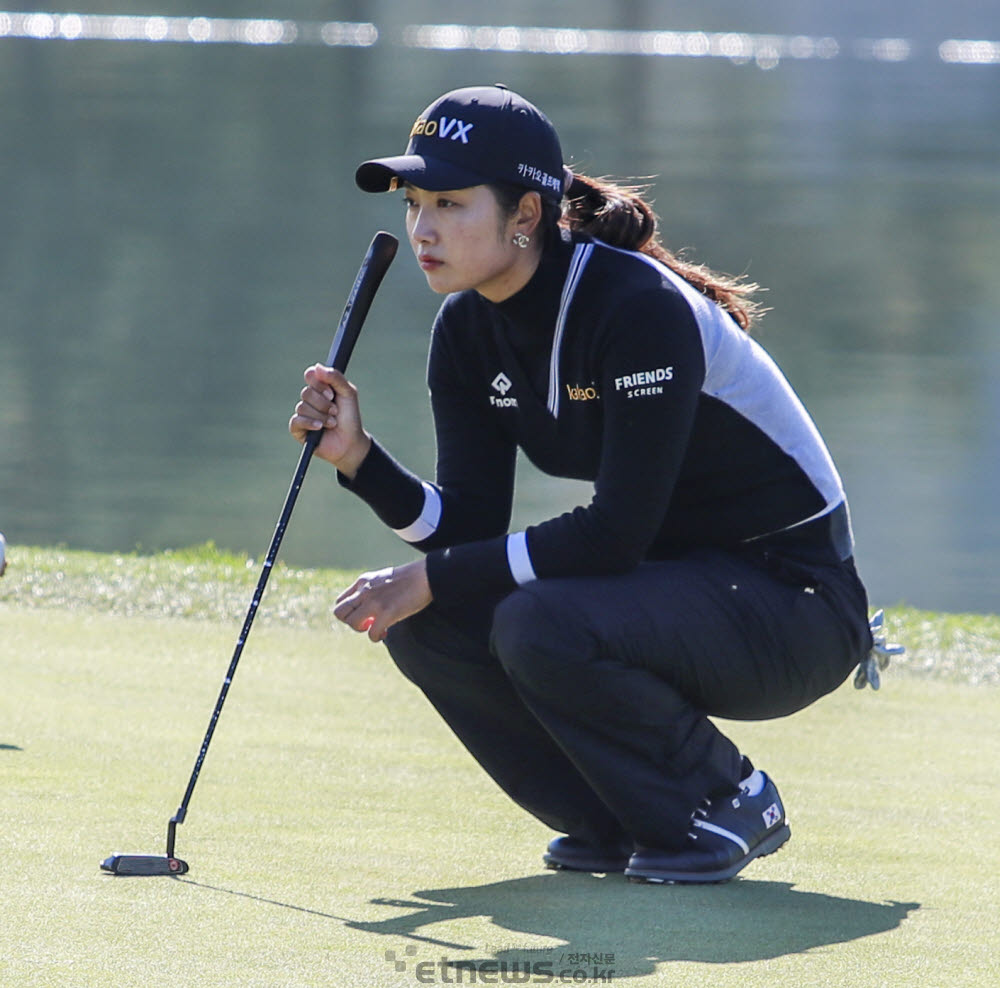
(726, 834)
(576, 854)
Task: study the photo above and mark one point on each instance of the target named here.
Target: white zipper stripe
(580, 257)
(722, 832)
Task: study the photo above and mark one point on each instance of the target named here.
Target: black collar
(530, 314)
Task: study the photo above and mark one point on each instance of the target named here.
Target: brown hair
(619, 216)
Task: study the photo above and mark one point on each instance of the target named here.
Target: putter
(372, 271)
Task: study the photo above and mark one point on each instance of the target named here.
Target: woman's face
(462, 240)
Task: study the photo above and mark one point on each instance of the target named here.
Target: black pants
(588, 699)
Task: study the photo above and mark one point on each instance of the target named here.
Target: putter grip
(372, 271)
(381, 251)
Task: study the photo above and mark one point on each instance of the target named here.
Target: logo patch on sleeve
(647, 382)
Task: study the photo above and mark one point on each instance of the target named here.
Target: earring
(522, 240)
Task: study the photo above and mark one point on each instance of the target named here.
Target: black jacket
(610, 368)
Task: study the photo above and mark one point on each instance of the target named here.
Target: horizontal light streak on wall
(960, 52)
(185, 30)
(764, 50)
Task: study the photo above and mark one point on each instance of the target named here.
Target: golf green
(339, 835)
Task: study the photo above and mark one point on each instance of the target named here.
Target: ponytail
(619, 216)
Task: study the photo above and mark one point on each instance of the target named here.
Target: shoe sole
(770, 844)
(593, 865)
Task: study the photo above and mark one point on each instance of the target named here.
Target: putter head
(144, 864)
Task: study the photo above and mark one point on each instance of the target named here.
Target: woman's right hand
(330, 402)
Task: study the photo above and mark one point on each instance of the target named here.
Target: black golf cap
(475, 136)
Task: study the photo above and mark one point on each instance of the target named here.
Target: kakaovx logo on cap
(445, 127)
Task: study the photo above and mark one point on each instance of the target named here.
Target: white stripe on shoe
(722, 832)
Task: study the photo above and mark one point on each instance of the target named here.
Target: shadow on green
(637, 926)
